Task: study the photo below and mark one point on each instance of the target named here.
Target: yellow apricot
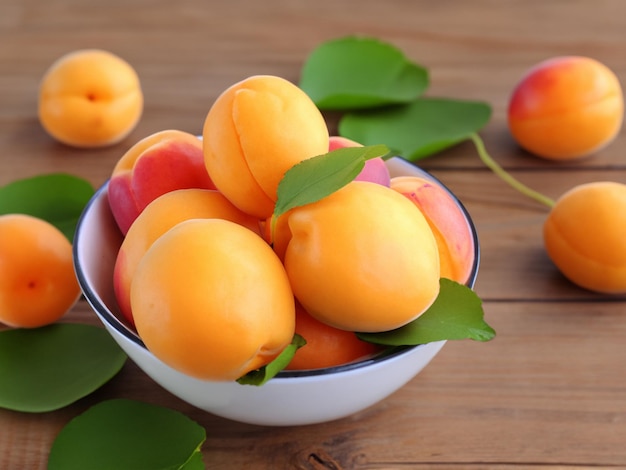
(584, 236)
(157, 218)
(566, 107)
(362, 259)
(90, 98)
(212, 300)
(255, 131)
(37, 281)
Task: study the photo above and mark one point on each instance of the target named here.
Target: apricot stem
(273, 222)
(506, 177)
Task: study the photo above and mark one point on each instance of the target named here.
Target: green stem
(498, 170)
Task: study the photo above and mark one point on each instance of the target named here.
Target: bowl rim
(110, 319)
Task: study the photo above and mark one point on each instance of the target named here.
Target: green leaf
(456, 314)
(58, 198)
(262, 375)
(419, 129)
(195, 462)
(315, 178)
(360, 72)
(125, 434)
(47, 368)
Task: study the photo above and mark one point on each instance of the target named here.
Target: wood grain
(549, 392)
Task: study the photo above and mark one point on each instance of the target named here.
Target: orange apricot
(90, 98)
(362, 259)
(256, 130)
(447, 221)
(566, 107)
(37, 281)
(326, 346)
(584, 236)
(375, 171)
(157, 218)
(211, 299)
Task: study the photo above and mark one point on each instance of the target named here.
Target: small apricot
(566, 107)
(162, 162)
(584, 236)
(326, 346)
(255, 131)
(90, 98)
(37, 281)
(362, 259)
(157, 218)
(447, 221)
(211, 299)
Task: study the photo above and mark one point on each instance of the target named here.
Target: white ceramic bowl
(292, 397)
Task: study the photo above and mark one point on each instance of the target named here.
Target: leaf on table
(263, 374)
(124, 434)
(360, 72)
(58, 198)
(417, 130)
(315, 178)
(456, 314)
(47, 368)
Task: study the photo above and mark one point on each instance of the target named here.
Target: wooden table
(549, 391)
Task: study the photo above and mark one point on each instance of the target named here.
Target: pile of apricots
(200, 274)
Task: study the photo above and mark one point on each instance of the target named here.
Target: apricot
(566, 107)
(211, 299)
(362, 259)
(338, 142)
(375, 169)
(162, 162)
(37, 281)
(157, 218)
(254, 132)
(447, 221)
(326, 346)
(584, 236)
(90, 98)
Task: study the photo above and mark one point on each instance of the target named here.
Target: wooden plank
(547, 391)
